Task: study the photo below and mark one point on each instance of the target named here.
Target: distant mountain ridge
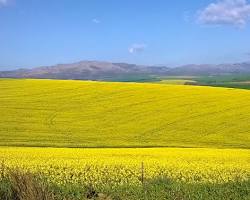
(208, 69)
(85, 70)
(96, 70)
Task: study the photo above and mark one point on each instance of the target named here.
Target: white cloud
(96, 21)
(4, 2)
(226, 12)
(135, 48)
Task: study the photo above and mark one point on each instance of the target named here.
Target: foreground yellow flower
(119, 166)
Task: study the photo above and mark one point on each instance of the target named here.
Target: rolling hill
(211, 69)
(98, 70)
(86, 70)
(65, 113)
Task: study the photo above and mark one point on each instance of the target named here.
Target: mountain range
(97, 70)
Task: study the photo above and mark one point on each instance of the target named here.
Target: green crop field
(177, 82)
(96, 114)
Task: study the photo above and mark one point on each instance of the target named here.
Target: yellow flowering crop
(119, 166)
(59, 113)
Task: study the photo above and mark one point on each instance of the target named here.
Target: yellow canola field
(56, 113)
(119, 166)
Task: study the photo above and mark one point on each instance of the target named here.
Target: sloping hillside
(108, 71)
(99, 114)
(86, 70)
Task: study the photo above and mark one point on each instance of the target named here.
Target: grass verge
(17, 185)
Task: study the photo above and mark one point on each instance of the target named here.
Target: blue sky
(46, 32)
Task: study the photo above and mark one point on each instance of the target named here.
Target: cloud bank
(226, 12)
